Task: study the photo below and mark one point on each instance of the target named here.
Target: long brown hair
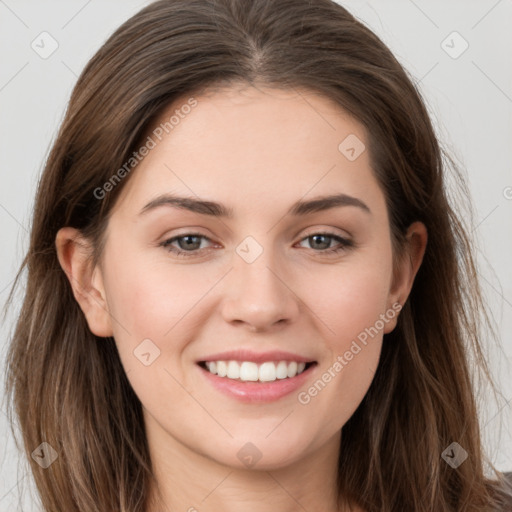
(68, 387)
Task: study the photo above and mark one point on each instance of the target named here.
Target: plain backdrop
(459, 52)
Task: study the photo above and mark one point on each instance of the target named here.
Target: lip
(262, 357)
(257, 392)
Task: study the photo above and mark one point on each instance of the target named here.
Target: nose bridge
(258, 294)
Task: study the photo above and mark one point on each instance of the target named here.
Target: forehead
(246, 144)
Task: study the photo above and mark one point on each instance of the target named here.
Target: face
(288, 278)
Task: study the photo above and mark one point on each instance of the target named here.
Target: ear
(406, 269)
(74, 253)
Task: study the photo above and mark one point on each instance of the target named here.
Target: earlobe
(407, 268)
(74, 254)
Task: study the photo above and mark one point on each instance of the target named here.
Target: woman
(184, 344)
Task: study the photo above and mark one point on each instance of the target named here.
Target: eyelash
(344, 244)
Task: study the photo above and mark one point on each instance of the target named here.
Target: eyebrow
(215, 209)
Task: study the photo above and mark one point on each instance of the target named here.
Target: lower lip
(257, 392)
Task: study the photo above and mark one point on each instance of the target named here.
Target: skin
(257, 151)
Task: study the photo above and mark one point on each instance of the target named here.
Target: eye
(188, 243)
(323, 241)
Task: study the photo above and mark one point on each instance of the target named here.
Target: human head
(145, 66)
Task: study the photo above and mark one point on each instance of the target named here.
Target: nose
(260, 294)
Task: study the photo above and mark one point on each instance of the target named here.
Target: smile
(249, 371)
(256, 377)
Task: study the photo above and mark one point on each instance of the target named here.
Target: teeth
(249, 371)
(222, 369)
(292, 369)
(281, 370)
(233, 370)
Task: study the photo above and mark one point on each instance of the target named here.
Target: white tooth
(300, 367)
(222, 368)
(267, 372)
(212, 367)
(233, 370)
(249, 371)
(292, 369)
(282, 370)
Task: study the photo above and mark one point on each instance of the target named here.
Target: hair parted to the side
(67, 387)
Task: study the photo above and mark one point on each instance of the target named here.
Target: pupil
(316, 237)
(189, 240)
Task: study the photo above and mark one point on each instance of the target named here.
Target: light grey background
(469, 98)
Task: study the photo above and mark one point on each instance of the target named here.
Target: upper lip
(255, 357)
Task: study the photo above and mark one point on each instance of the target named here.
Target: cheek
(353, 339)
(149, 298)
(351, 298)
(156, 307)
(352, 307)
